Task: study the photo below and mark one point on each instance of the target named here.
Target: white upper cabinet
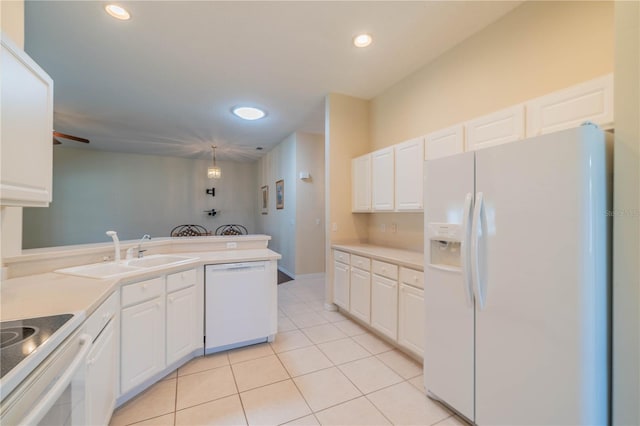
(444, 142)
(26, 130)
(382, 172)
(497, 128)
(409, 163)
(588, 101)
(361, 184)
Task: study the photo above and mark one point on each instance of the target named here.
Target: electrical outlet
(334, 227)
(394, 227)
(317, 221)
(232, 245)
(383, 227)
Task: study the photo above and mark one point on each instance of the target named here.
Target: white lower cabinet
(142, 337)
(181, 323)
(411, 332)
(360, 303)
(101, 376)
(341, 284)
(384, 305)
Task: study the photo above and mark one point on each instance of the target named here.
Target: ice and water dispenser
(446, 241)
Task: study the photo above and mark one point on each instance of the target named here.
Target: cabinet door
(361, 184)
(142, 342)
(101, 377)
(411, 318)
(444, 143)
(181, 324)
(382, 179)
(496, 128)
(341, 284)
(360, 303)
(589, 101)
(409, 161)
(384, 305)
(26, 103)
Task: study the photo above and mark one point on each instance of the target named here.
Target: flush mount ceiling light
(362, 40)
(214, 171)
(117, 12)
(248, 113)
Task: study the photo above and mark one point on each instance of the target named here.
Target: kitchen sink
(158, 260)
(100, 270)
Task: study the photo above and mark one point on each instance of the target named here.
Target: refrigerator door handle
(478, 231)
(466, 248)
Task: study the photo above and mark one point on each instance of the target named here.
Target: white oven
(54, 392)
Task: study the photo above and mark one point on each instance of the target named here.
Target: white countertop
(409, 259)
(53, 293)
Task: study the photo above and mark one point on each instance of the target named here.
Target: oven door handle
(45, 404)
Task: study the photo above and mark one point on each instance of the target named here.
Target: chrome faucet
(139, 250)
(116, 243)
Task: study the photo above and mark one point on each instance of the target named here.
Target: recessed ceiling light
(362, 40)
(117, 12)
(249, 113)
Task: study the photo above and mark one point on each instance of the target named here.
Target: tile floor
(322, 368)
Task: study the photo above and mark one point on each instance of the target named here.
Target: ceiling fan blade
(70, 137)
(56, 141)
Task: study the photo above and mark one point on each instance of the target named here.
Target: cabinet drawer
(385, 269)
(181, 280)
(102, 315)
(144, 290)
(412, 277)
(361, 262)
(341, 256)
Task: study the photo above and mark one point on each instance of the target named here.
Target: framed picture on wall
(280, 194)
(264, 201)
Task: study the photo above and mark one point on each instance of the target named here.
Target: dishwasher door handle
(237, 266)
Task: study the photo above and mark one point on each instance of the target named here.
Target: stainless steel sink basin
(100, 270)
(158, 260)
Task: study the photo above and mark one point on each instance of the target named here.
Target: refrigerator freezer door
(541, 337)
(449, 313)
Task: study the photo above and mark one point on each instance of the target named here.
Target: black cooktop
(20, 338)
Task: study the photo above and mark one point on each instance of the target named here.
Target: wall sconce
(214, 171)
(211, 191)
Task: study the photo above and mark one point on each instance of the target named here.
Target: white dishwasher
(240, 305)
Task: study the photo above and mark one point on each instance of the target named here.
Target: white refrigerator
(517, 280)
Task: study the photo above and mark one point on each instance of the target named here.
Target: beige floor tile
(343, 350)
(159, 399)
(204, 363)
(285, 324)
(224, 411)
(332, 316)
(404, 404)
(326, 388)
(304, 360)
(258, 372)
(274, 404)
(290, 340)
(205, 386)
(401, 363)
(166, 420)
(316, 304)
(350, 328)
(171, 375)
(307, 320)
(295, 308)
(323, 333)
(452, 421)
(358, 411)
(309, 420)
(370, 374)
(281, 314)
(250, 352)
(372, 343)
(418, 382)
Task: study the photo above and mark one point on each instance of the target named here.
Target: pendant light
(214, 171)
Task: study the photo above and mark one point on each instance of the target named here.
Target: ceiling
(165, 81)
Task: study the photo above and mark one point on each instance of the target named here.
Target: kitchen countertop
(409, 259)
(53, 293)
